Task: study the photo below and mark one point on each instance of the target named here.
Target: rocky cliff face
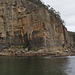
(25, 23)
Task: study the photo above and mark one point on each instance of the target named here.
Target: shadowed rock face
(24, 23)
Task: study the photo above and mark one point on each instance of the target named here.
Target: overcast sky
(67, 10)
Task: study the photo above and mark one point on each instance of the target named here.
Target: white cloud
(71, 28)
(67, 10)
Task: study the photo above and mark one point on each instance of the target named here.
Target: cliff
(72, 34)
(24, 23)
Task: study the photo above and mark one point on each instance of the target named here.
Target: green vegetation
(24, 47)
(55, 14)
(19, 47)
(6, 48)
(48, 8)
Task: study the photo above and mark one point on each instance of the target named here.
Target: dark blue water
(37, 66)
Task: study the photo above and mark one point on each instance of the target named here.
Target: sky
(66, 9)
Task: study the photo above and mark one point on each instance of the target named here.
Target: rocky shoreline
(41, 52)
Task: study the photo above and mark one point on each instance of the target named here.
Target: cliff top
(51, 10)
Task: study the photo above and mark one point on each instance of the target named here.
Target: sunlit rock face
(25, 23)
